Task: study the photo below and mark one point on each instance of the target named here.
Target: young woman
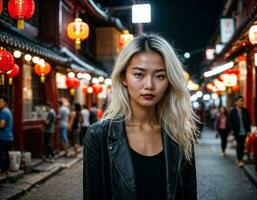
(143, 148)
(74, 127)
(222, 128)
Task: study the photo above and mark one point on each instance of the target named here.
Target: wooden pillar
(52, 97)
(249, 88)
(17, 93)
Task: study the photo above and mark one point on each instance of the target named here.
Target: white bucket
(15, 160)
(25, 159)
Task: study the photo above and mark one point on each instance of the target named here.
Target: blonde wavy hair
(174, 110)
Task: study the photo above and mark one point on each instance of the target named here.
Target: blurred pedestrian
(85, 123)
(93, 114)
(213, 116)
(74, 127)
(143, 147)
(222, 128)
(6, 134)
(49, 131)
(240, 124)
(63, 117)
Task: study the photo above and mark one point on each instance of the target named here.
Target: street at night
(217, 178)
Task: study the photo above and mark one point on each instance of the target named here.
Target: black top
(76, 121)
(149, 175)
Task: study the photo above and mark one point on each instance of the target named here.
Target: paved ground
(66, 185)
(218, 178)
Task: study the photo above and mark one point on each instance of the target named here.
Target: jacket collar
(120, 155)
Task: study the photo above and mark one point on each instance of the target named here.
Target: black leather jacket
(108, 171)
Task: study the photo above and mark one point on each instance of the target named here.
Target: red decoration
(20, 10)
(6, 63)
(72, 83)
(232, 71)
(220, 78)
(42, 70)
(242, 58)
(12, 73)
(1, 6)
(97, 88)
(236, 88)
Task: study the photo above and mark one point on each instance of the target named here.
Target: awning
(34, 47)
(80, 64)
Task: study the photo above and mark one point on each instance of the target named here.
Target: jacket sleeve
(91, 167)
(188, 175)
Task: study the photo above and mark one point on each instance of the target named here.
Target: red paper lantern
(71, 84)
(20, 10)
(6, 63)
(232, 71)
(236, 88)
(1, 6)
(42, 70)
(97, 88)
(12, 73)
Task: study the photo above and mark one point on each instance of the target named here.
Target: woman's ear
(124, 82)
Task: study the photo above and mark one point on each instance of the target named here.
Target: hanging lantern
(87, 89)
(125, 38)
(20, 10)
(42, 69)
(97, 88)
(6, 63)
(84, 89)
(78, 31)
(1, 6)
(71, 84)
(253, 34)
(12, 73)
(236, 88)
(232, 71)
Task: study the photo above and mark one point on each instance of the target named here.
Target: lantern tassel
(72, 91)
(77, 44)
(20, 23)
(10, 81)
(42, 78)
(2, 79)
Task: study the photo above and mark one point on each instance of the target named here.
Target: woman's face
(146, 78)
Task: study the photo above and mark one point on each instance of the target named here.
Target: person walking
(74, 127)
(143, 148)
(49, 131)
(6, 135)
(222, 128)
(63, 118)
(85, 114)
(240, 124)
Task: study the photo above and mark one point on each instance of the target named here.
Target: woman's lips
(148, 96)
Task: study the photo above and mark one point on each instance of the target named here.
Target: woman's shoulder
(100, 126)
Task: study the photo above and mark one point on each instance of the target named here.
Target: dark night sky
(187, 24)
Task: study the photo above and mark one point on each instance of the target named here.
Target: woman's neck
(143, 116)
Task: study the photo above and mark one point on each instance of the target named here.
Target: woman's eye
(138, 75)
(160, 77)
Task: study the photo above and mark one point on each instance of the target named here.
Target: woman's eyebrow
(142, 69)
